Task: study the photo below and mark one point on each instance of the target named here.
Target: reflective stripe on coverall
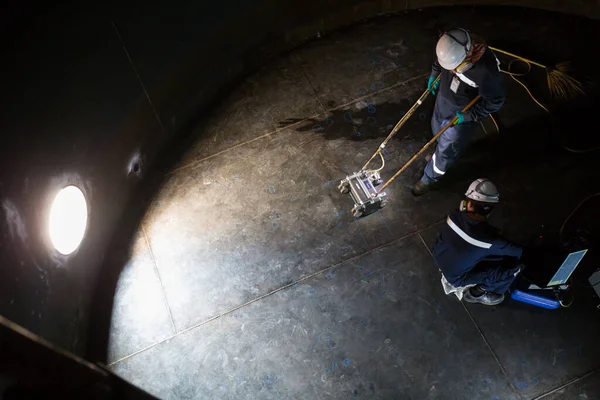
(468, 251)
(452, 142)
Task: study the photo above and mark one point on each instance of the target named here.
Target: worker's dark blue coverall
(468, 251)
(483, 79)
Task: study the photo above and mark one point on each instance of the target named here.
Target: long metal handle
(437, 135)
(404, 118)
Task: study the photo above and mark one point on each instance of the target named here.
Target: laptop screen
(566, 269)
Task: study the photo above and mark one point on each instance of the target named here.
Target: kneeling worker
(470, 252)
(468, 68)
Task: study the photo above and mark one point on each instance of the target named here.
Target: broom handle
(404, 118)
(519, 57)
(437, 135)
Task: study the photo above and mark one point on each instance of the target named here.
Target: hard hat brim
(484, 199)
(449, 66)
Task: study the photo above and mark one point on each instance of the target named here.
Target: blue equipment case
(534, 299)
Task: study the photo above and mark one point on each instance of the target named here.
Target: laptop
(566, 269)
(540, 277)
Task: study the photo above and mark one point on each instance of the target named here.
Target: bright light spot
(68, 219)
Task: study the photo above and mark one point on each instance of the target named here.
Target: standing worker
(468, 68)
(471, 254)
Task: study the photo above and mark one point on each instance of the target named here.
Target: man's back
(463, 242)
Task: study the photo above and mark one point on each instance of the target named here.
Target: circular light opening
(68, 219)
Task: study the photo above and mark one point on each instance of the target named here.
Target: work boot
(421, 163)
(487, 298)
(420, 188)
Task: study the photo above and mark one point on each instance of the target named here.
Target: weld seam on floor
(489, 346)
(313, 89)
(572, 381)
(478, 329)
(157, 272)
(425, 244)
(322, 271)
(385, 223)
(361, 235)
(194, 163)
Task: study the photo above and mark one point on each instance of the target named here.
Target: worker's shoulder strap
(471, 82)
(465, 236)
(466, 80)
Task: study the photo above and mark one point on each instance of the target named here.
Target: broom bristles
(561, 84)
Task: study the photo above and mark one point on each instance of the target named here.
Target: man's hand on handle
(435, 86)
(461, 118)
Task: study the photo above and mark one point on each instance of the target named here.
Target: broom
(560, 83)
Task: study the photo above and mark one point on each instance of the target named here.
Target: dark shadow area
(542, 183)
(371, 122)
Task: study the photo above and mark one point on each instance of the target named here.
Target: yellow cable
(527, 90)
(382, 163)
(566, 305)
(514, 75)
(519, 57)
(494, 121)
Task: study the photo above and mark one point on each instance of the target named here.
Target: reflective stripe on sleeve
(466, 237)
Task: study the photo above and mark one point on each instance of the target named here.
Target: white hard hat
(484, 191)
(452, 48)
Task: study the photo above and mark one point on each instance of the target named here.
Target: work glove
(435, 87)
(461, 118)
